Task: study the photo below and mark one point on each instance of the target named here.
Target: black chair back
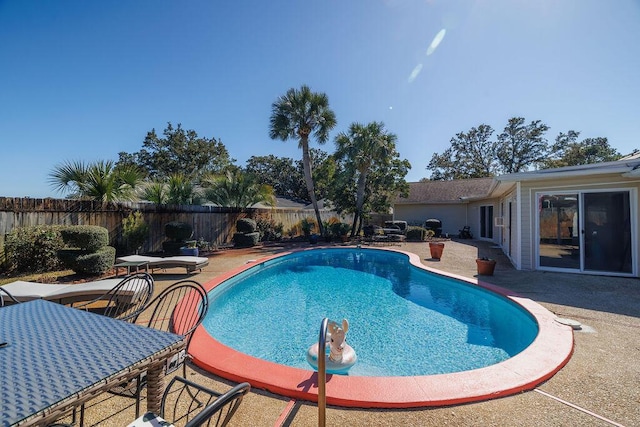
(6, 297)
(195, 405)
(179, 309)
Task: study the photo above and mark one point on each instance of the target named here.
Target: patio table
(57, 358)
(130, 265)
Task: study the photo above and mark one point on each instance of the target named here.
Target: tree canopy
(567, 151)
(179, 151)
(471, 155)
(280, 173)
(369, 170)
(520, 147)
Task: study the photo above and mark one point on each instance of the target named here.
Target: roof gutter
(625, 169)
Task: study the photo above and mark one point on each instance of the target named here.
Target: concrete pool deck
(599, 383)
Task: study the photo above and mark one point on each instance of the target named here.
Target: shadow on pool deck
(602, 376)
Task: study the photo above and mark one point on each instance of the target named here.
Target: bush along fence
(211, 224)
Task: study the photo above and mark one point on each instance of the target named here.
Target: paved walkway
(600, 385)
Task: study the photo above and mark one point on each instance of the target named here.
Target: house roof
(618, 166)
(463, 190)
(457, 191)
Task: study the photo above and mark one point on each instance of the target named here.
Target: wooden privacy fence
(211, 223)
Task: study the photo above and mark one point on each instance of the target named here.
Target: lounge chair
(191, 263)
(61, 293)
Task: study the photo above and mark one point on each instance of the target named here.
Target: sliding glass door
(559, 240)
(586, 231)
(607, 232)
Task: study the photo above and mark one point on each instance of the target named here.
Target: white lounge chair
(65, 293)
(191, 263)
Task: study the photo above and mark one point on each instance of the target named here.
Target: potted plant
(190, 248)
(178, 233)
(436, 249)
(486, 266)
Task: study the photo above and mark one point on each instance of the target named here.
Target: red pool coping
(548, 353)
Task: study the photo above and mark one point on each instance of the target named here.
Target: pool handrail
(322, 373)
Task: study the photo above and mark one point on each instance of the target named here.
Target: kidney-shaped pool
(422, 337)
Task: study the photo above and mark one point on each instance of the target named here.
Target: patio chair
(183, 399)
(5, 296)
(178, 309)
(126, 300)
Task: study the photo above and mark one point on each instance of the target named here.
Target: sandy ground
(600, 385)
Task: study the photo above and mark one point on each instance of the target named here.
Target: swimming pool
(403, 321)
(521, 365)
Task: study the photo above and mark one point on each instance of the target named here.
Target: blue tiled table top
(55, 351)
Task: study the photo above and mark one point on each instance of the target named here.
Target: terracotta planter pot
(486, 266)
(436, 249)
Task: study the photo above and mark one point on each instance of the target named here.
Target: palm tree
(182, 190)
(296, 115)
(238, 190)
(156, 192)
(100, 181)
(362, 148)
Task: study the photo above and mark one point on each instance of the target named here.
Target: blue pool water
(403, 320)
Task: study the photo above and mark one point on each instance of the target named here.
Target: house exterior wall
(453, 216)
(529, 207)
(510, 236)
(474, 209)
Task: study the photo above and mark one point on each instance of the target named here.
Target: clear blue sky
(84, 80)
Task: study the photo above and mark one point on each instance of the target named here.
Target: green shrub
(92, 263)
(246, 240)
(178, 231)
(134, 231)
(340, 228)
(87, 251)
(246, 225)
(269, 230)
(307, 225)
(89, 238)
(33, 249)
(416, 234)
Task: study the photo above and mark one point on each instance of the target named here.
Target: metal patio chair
(178, 309)
(126, 300)
(183, 399)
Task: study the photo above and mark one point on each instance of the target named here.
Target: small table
(57, 358)
(129, 265)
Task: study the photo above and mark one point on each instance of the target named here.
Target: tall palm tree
(100, 180)
(362, 148)
(296, 115)
(236, 189)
